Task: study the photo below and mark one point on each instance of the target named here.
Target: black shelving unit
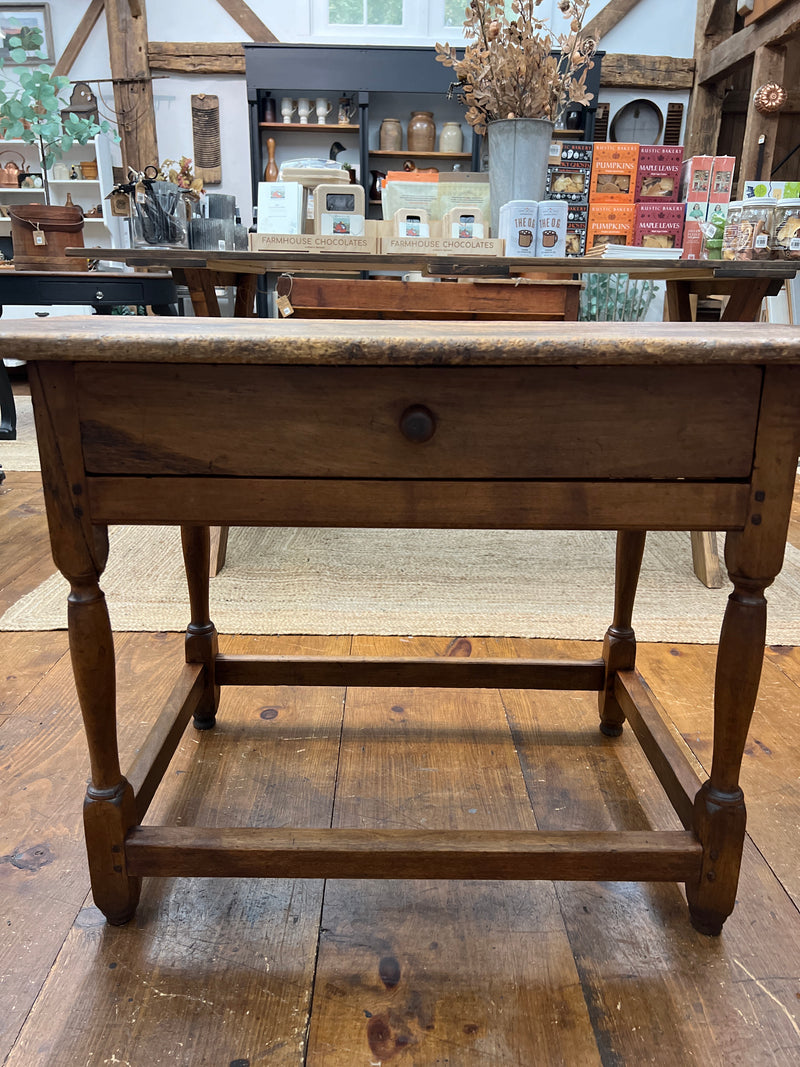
(362, 73)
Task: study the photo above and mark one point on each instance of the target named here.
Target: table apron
(462, 504)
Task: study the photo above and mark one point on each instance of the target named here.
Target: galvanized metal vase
(518, 154)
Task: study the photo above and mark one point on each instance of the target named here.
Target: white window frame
(423, 22)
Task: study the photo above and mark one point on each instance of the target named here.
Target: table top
(437, 266)
(339, 342)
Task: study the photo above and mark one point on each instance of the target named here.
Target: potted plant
(31, 106)
(32, 111)
(516, 78)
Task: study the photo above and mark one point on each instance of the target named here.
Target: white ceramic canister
(551, 229)
(517, 227)
(451, 138)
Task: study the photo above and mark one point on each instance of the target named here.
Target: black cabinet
(381, 82)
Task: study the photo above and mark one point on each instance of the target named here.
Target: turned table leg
(619, 646)
(202, 643)
(109, 810)
(719, 808)
(754, 557)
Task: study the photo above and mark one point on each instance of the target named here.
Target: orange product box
(614, 168)
(610, 224)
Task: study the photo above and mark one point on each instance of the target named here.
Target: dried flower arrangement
(179, 172)
(509, 71)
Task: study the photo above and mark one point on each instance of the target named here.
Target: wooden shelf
(74, 181)
(423, 155)
(307, 126)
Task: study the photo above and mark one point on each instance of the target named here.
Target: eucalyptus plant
(31, 105)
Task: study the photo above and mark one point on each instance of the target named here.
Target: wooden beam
(718, 15)
(705, 106)
(768, 66)
(762, 8)
(133, 89)
(612, 14)
(79, 37)
(190, 57)
(776, 29)
(620, 71)
(252, 25)
(136, 8)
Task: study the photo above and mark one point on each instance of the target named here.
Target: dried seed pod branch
(507, 70)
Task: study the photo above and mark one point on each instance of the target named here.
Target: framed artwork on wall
(16, 17)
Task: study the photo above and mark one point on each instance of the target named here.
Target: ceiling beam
(248, 20)
(605, 20)
(774, 30)
(192, 57)
(79, 37)
(620, 71)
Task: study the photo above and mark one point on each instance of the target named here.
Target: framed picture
(37, 16)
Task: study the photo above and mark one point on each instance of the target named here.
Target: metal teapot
(10, 172)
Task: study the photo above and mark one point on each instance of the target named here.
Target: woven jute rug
(405, 582)
(22, 454)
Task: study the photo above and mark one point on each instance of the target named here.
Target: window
(389, 21)
(365, 12)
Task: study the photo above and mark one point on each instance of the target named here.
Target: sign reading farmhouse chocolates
(551, 228)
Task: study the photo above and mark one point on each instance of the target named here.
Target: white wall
(653, 27)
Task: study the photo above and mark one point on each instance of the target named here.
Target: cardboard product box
(577, 225)
(569, 171)
(659, 225)
(613, 178)
(780, 190)
(280, 207)
(721, 186)
(610, 224)
(692, 240)
(695, 186)
(696, 178)
(658, 177)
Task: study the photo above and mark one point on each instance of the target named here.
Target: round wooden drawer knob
(417, 424)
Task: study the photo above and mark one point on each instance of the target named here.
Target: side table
(450, 425)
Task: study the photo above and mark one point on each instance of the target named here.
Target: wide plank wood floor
(230, 973)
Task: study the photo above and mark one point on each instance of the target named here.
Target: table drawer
(426, 422)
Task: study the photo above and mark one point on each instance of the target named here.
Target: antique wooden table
(509, 426)
(745, 284)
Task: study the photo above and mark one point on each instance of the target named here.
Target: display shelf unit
(103, 230)
(374, 78)
(408, 154)
(382, 81)
(317, 127)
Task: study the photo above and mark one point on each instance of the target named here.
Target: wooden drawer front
(490, 422)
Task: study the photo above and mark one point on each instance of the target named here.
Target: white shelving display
(105, 230)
